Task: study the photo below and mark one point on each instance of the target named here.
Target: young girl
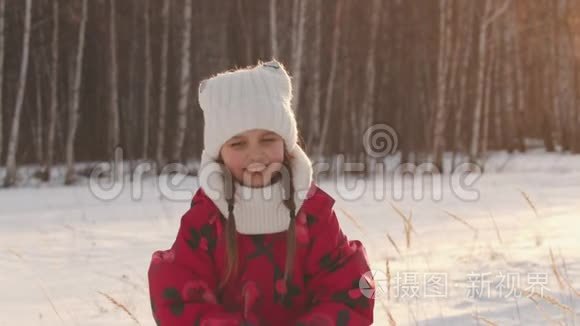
(261, 244)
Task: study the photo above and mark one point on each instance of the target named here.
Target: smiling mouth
(256, 167)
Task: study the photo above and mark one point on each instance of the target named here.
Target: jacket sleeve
(336, 270)
(183, 279)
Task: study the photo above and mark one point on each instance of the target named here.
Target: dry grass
(407, 223)
(497, 233)
(529, 201)
(15, 253)
(392, 321)
(353, 220)
(39, 283)
(464, 222)
(388, 271)
(543, 301)
(548, 299)
(120, 305)
(556, 271)
(563, 281)
(542, 311)
(518, 310)
(394, 244)
(485, 320)
(538, 239)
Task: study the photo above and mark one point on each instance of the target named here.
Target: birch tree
(297, 51)
(331, 78)
(445, 12)
(314, 130)
(74, 111)
(518, 81)
(274, 29)
(148, 80)
(2, 14)
(488, 17)
(184, 83)
(54, 70)
(159, 155)
(37, 129)
(371, 69)
(114, 126)
(10, 178)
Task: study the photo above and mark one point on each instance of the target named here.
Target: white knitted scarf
(258, 210)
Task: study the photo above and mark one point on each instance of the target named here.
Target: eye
(269, 140)
(237, 144)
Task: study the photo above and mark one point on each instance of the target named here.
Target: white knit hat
(245, 99)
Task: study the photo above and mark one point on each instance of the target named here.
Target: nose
(256, 153)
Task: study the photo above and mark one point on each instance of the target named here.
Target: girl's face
(254, 156)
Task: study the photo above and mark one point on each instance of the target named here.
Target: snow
(66, 255)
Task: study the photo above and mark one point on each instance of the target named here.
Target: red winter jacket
(324, 290)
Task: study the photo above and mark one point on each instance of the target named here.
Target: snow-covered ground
(70, 258)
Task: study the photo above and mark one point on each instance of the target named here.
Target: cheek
(276, 152)
(233, 160)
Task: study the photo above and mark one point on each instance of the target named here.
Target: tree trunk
(37, 130)
(148, 81)
(369, 96)
(74, 111)
(488, 17)
(331, 79)
(566, 72)
(314, 130)
(14, 131)
(547, 124)
(553, 88)
(159, 155)
(575, 137)
(487, 100)
(459, 146)
(498, 113)
(185, 83)
(574, 24)
(348, 121)
(547, 105)
(128, 112)
(52, 116)
(445, 11)
(427, 108)
(482, 59)
(576, 113)
(509, 117)
(297, 53)
(245, 32)
(274, 29)
(520, 122)
(2, 14)
(114, 125)
(452, 94)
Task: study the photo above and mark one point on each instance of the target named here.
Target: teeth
(256, 167)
